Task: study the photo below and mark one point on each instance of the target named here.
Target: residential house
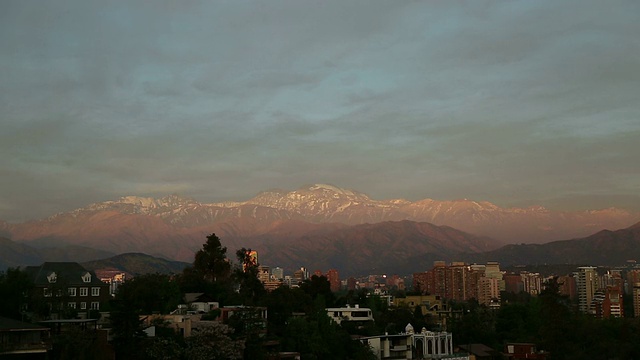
(66, 286)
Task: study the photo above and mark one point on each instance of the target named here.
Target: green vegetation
(297, 320)
(550, 322)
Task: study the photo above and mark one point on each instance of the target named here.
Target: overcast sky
(518, 103)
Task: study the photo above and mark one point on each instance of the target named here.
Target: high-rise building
(567, 284)
(632, 277)
(513, 283)
(586, 284)
(492, 270)
(607, 303)
(636, 299)
(277, 273)
(263, 273)
(532, 282)
(300, 275)
(334, 280)
(612, 278)
(352, 283)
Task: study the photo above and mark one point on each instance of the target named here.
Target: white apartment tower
(586, 284)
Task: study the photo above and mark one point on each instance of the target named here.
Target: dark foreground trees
(549, 321)
(297, 320)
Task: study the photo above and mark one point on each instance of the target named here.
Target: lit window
(95, 305)
(84, 291)
(72, 292)
(95, 291)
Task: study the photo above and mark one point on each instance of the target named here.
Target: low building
(23, 340)
(197, 303)
(431, 306)
(390, 346)
(412, 345)
(348, 313)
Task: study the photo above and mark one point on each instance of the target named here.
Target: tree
(281, 304)
(212, 343)
(250, 288)
(150, 293)
(318, 287)
(318, 337)
(127, 330)
(15, 286)
(211, 261)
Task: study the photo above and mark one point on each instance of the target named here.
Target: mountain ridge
(174, 226)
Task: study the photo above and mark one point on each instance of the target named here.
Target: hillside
(132, 220)
(137, 264)
(14, 254)
(605, 247)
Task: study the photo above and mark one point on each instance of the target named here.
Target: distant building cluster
(598, 294)
(461, 282)
(272, 278)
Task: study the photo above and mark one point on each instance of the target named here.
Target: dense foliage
(551, 322)
(297, 320)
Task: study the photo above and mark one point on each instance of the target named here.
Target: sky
(519, 103)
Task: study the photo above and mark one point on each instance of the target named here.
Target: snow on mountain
(322, 203)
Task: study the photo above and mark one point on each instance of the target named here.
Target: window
(72, 291)
(72, 305)
(86, 277)
(95, 305)
(83, 305)
(47, 292)
(52, 278)
(95, 291)
(84, 291)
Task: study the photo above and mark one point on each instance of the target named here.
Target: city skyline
(514, 103)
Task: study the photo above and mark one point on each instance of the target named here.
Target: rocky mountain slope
(174, 227)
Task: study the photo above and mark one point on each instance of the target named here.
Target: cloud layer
(518, 103)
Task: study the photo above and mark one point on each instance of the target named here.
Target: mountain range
(319, 225)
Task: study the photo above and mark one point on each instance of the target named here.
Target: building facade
(68, 285)
(586, 284)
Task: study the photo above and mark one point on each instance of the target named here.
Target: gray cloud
(518, 103)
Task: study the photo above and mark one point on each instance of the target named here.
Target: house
(68, 288)
(390, 346)
(412, 345)
(200, 302)
(348, 313)
(23, 340)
